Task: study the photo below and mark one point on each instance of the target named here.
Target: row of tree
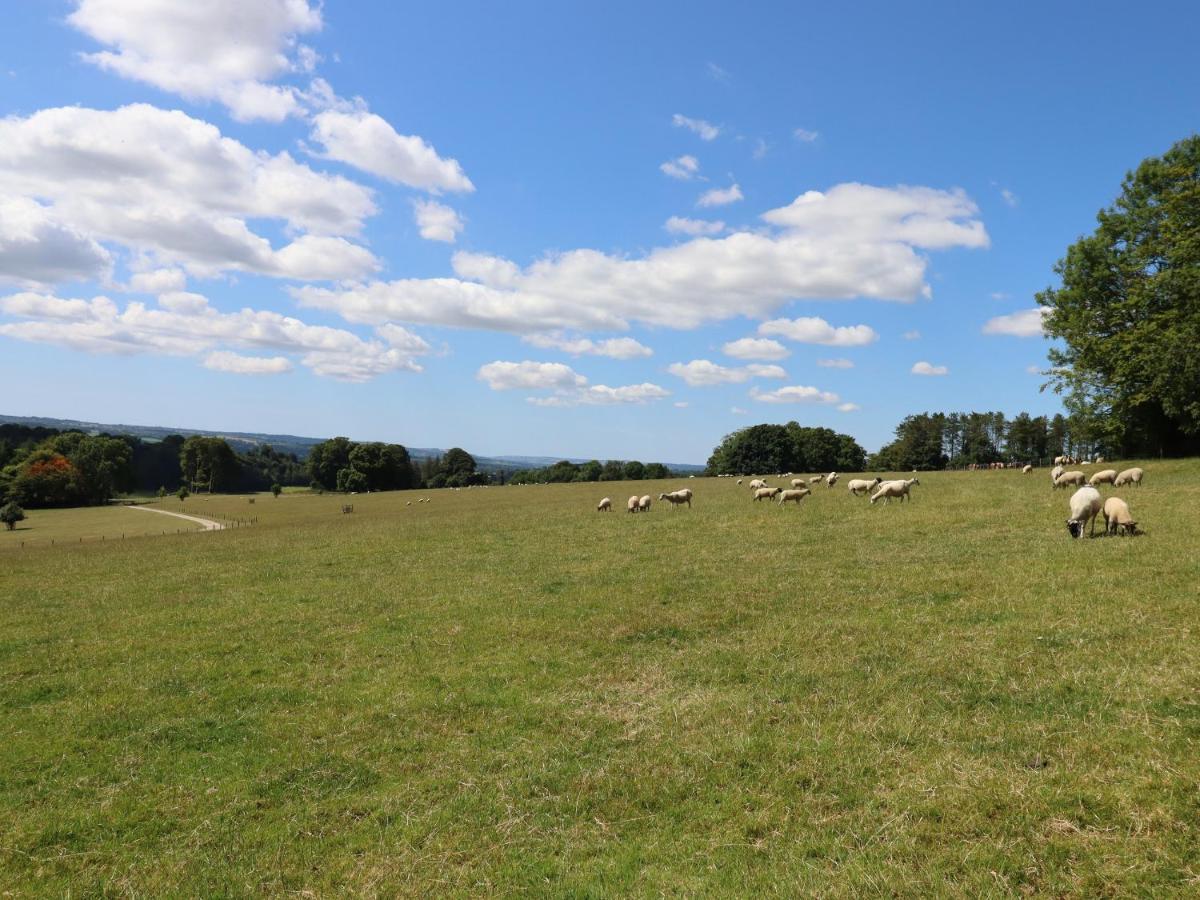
(340, 464)
(761, 449)
(565, 471)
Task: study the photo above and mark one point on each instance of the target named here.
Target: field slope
(503, 691)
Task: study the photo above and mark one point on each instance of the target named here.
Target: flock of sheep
(1087, 504)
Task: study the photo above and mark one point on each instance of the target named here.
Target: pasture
(503, 691)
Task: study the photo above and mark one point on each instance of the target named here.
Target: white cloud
(716, 72)
(756, 348)
(998, 295)
(738, 411)
(437, 221)
(184, 324)
(706, 130)
(813, 330)
(913, 335)
(684, 168)
(158, 281)
(924, 368)
(36, 248)
(602, 395)
(848, 407)
(794, 393)
(368, 142)
(720, 196)
(835, 363)
(804, 136)
(227, 361)
(172, 187)
(614, 348)
(867, 242)
(530, 375)
(704, 373)
(1034, 370)
(1009, 197)
(761, 148)
(224, 50)
(693, 227)
(681, 404)
(1025, 323)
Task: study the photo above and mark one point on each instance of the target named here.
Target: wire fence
(228, 523)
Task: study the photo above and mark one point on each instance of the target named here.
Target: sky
(618, 230)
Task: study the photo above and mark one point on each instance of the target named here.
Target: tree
(162, 492)
(328, 458)
(656, 472)
(183, 493)
(277, 489)
(458, 461)
(207, 461)
(589, 471)
(634, 471)
(612, 470)
(1128, 312)
(11, 514)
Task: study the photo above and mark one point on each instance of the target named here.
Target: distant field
(502, 691)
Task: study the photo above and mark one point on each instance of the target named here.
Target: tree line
(565, 471)
(764, 449)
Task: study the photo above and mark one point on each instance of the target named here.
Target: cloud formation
(1024, 323)
(436, 221)
(705, 373)
(568, 386)
(236, 363)
(756, 348)
(685, 168)
(693, 227)
(925, 368)
(794, 393)
(706, 131)
(720, 196)
(614, 348)
(835, 363)
(813, 330)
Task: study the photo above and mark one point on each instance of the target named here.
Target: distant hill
(292, 443)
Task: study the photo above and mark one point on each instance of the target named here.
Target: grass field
(502, 691)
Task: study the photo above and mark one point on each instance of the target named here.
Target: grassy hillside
(504, 691)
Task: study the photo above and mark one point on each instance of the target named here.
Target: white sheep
(1073, 477)
(799, 482)
(794, 496)
(644, 504)
(1054, 473)
(1085, 506)
(1129, 476)
(677, 497)
(1108, 476)
(1026, 469)
(864, 485)
(1099, 460)
(757, 483)
(739, 481)
(1117, 519)
(890, 489)
(765, 493)
(831, 479)
(631, 505)
(604, 505)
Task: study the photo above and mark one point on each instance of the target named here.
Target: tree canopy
(785, 448)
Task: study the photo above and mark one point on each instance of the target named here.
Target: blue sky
(621, 231)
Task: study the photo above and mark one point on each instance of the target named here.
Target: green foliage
(634, 471)
(277, 489)
(344, 465)
(763, 449)
(162, 492)
(183, 493)
(1128, 312)
(328, 458)
(11, 514)
(208, 462)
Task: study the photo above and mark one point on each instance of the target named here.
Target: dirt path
(209, 524)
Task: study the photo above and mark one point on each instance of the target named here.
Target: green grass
(502, 691)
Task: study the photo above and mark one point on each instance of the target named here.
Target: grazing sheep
(1025, 470)
(631, 505)
(1054, 473)
(1129, 476)
(765, 493)
(677, 497)
(1060, 460)
(1117, 519)
(1099, 460)
(862, 484)
(1074, 477)
(604, 505)
(795, 496)
(831, 479)
(799, 482)
(1085, 506)
(1108, 476)
(644, 504)
(890, 489)
(757, 483)
(739, 481)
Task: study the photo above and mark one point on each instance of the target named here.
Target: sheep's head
(1075, 528)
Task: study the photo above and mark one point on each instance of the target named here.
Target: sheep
(1108, 476)
(631, 505)
(799, 482)
(1085, 506)
(677, 497)
(862, 484)
(757, 483)
(1074, 477)
(1026, 469)
(1117, 519)
(644, 504)
(831, 479)
(604, 505)
(739, 481)
(1129, 476)
(795, 496)
(889, 489)
(1059, 460)
(765, 493)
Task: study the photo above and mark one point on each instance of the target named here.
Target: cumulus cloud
(568, 386)
(1024, 323)
(184, 324)
(756, 348)
(693, 227)
(704, 373)
(158, 281)
(804, 136)
(813, 330)
(705, 130)
(436, 221)
(720, 196)
(602, 395)
(835, 363)
(614, 348)
(36, 248)
(172, 187)
(794, 393)
(925, 368)
(848, 407)
(684, 168)
(861, 242)
(227, 361)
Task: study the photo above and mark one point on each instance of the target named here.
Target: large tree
(1128, 312)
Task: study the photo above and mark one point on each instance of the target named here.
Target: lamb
(765, 493)
(1117, 519)
(1074, 477)
(831, 479)
(757, 483)
(862, 484)
(677, 497)
(644, 504)
(1085, 506)
(1025, 470)
(604, 505)
(1108, 476)
(631, 505)
(795, 496)
(1129, 476)
(890, 489)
